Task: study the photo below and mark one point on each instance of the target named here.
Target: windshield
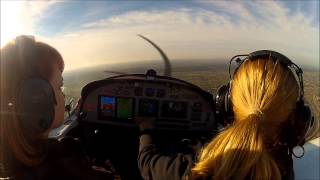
(98, 39)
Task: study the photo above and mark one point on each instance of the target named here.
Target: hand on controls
(145, 123)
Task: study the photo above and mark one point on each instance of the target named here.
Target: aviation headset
(294, 132)
(35, 98)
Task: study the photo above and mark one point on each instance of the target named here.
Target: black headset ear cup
(223, 104)
(305, 112)
(304, 122)
(35, 105)
(295, 129)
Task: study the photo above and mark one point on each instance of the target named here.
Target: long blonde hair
(263, 94)
(13, 139)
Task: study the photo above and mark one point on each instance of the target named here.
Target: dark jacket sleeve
(73, 162)
(65, 160)
(156, 165)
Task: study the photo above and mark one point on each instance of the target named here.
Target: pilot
(32, 103)
(269, 119)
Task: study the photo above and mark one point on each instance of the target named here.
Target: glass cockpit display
(125, 108)
(107, 106)
(174, 109)
(120, 101)
(116, 107)
(148, 108)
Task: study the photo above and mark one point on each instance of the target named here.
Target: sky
(89, 33)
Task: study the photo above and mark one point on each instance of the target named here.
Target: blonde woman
(269, 119)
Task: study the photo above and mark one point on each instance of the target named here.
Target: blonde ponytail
(237, 153)
(263, 95)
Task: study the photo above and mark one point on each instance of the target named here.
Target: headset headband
(272, 55)
(26, 46)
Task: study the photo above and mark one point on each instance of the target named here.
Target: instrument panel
(172, 103)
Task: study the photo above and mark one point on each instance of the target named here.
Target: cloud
(191, 33)
(141, 18)
(207, 30)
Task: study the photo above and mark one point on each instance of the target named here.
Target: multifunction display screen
(148, 108)
(125, 108)
(116, 107)
(174, 109)
(113, 108)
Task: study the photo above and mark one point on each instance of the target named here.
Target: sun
(12, 21)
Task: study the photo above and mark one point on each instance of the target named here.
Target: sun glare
(12, 21)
